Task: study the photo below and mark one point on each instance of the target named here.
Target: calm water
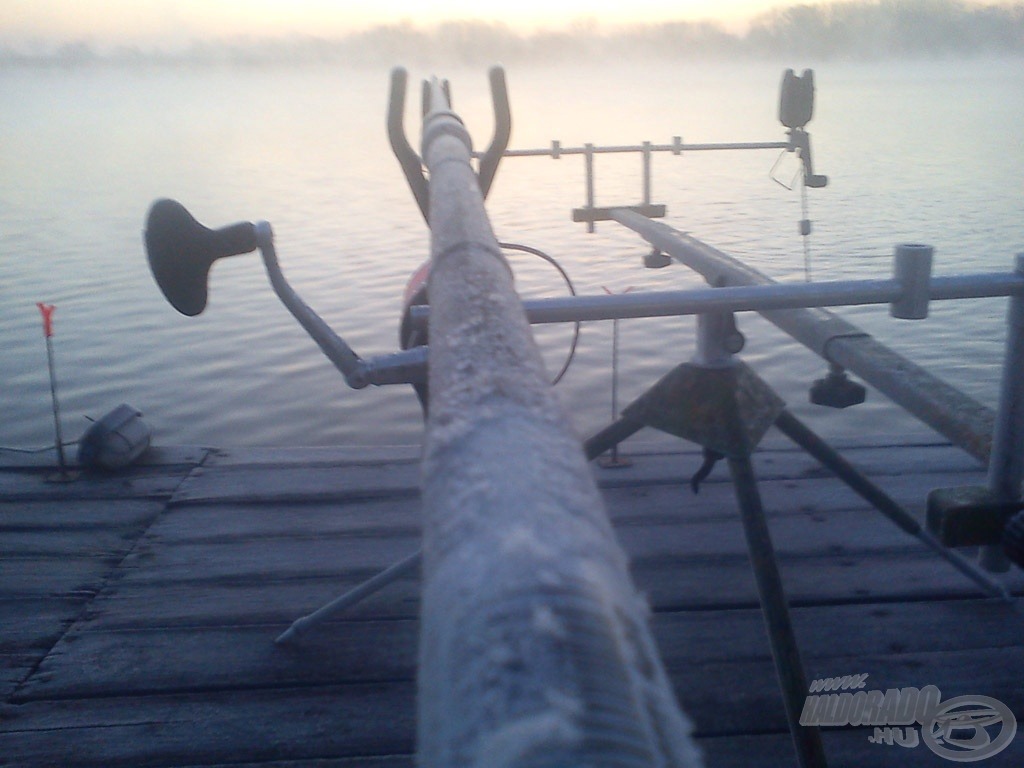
(923, 152)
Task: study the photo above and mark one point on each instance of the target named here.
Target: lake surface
(921, 152)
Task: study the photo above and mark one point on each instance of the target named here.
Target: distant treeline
(848, 29)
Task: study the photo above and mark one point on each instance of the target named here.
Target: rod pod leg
(785, 653)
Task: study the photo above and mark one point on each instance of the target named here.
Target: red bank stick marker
(47, 311)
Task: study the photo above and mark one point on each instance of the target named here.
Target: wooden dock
(138, 610)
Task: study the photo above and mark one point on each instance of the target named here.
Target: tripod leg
(832, 460)
(611, 435)
(350, 598)
(807, 740)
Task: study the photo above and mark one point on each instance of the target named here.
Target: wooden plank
(157, 482)
(668, 584)
(14, 667)
(843, 748)
(791, 463)
(295, 723)
(155, 455)
(313, 456)
(212, 727)
(10, 678)
(29, 628)
(259, 560)
(369, 761)
(243, 482)
(737, 697)
(159, 661)
(34, 624)
(75, 515)
(249, 483)
(649, 504)
(225, 470)
(59, 542)
(71, 553)
(133, 606)
(817, 498)
(181, 686)
(343, 454)
(174, 455)
(54, 575)
(170, 660)
(672, 585)
(848, 747)
(210, 523)
(837, 534)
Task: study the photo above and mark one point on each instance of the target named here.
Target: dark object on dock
(1013, 539)
(115, 441)
(968, 516)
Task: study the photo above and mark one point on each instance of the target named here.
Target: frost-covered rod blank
(534, 647)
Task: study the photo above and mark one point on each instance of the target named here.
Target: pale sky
(151, 21)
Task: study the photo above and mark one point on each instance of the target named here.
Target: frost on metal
(534, 648)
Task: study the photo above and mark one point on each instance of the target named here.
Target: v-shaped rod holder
(412, 163)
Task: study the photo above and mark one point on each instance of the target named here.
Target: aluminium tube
(1006, 469)
(534, 647)
(352, 367)
(785, 653)
(965, 422)
(740, 298)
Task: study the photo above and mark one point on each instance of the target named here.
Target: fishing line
(805, 229)
(65, 444)
(572, 292)
(805, 220)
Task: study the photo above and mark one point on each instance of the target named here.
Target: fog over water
(919, 149)
(916, 123)
(848, 29)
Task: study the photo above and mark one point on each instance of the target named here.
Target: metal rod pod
(912, 269)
